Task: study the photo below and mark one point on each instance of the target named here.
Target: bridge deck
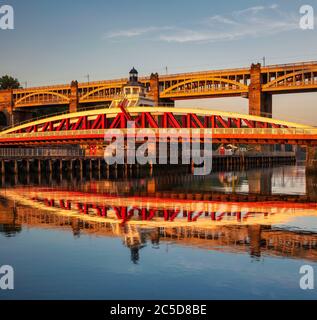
(276, 79)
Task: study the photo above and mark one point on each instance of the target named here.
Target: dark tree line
(8, 82)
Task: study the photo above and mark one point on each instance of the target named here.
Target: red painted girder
(122, 106)
(115, 121)
(45, 127)
(193, 121)
(237, 122)
(151, 121)
(222, 122)
(169, 119)
(275, 126)
(100, 122)
(249, 123)
(76, 126)
(31, 129)
(61, 125)
(213, 122)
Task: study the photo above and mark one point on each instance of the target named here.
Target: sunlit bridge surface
(160, 235)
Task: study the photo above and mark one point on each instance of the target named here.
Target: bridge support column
(254, 232)
(60, 166)
(81, 165)
(99, 168)
(90, 166)
(39, 166)
(70, 166)
(154, 87)
(107, 170)
(260, 103)
(15, 167)
(311, 186)
(73, 103)
(50, 166)
(311, 159)
(3, 167)
(12, 116)
(27, 166)
(6, 105)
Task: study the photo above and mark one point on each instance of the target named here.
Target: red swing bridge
(89, 127)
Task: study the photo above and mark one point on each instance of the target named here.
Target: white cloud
(220, 19)
(134, 32)
(274, 6)
(255, 21)
(251, 10)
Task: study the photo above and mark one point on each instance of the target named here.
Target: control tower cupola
(134, 92)
(133, 76)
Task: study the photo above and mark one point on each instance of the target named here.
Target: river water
(160, 235)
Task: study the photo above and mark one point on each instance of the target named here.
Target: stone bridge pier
(260, 103)
(9, 115)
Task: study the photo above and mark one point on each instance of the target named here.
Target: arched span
(52, 93)
(240, 86)
(112, 113)
(285, 77)
(90, 93)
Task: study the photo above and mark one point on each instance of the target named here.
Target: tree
(8, 82)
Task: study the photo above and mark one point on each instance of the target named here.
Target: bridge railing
(295, 64)
(266, 131)
(267, 154)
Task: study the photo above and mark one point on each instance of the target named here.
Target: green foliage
(8, 82)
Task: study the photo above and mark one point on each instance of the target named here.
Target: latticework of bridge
(91, 126)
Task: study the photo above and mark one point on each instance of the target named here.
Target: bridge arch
(135, 111)
(90, 93)
(275, 82)
(213, 80)
(64, 98)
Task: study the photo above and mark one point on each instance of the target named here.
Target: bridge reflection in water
(200, 214)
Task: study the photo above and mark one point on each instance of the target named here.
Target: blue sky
(58, 41)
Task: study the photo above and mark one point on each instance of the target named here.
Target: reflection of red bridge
(156, 209)
(90, 127)
(191, 211)
(241, 238)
